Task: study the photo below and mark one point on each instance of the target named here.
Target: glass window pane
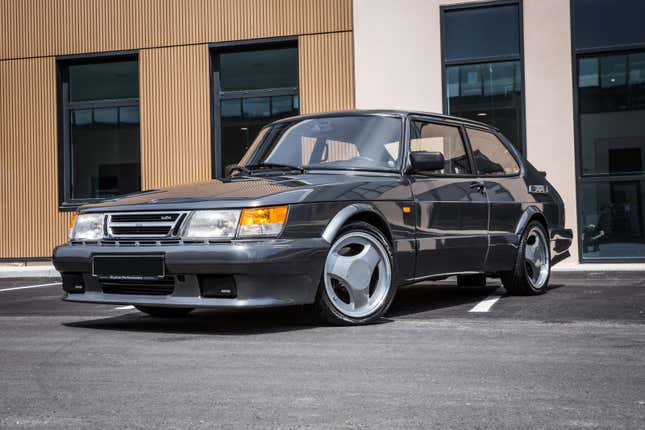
(231, 108)
(239, 132)
(108, 80)
(613, 219)
(440, 138)
(470, 77)
(490, 93)
(602, 23)
(612, 116)
(637, 69)
(588, 72)
(613, 71)
(481, 32)
(105, 152)
(281, 104)
(259, 69)
(490, 154)
(256, 107)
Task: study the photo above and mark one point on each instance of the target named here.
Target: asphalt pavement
(572, 358)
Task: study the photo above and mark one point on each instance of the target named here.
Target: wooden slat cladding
(175, 122)
(31, 223)
(326, 72)
(32, 28)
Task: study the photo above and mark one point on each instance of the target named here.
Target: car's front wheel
(533, 264)
(164, 312)
(356, 287)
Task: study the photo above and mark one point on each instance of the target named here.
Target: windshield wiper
(274, 166)
(238, 168)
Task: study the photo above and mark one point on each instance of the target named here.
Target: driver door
(452, 207)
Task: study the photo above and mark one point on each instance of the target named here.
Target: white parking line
(486, 304)
(124, 308)
(30, 286)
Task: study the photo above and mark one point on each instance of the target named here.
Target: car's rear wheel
(356, 286)
(164, 312)
(533, 264)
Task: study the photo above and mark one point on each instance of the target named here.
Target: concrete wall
(398, 65)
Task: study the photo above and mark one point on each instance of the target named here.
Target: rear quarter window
(490, 154)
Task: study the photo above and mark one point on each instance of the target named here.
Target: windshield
(350, 142)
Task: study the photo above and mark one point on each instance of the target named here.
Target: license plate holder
(129, 266)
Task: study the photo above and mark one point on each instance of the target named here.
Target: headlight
(219, 224)
(262, 221)
(87, 227)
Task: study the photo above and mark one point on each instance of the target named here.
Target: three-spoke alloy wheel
(533, 265)
(356, 286)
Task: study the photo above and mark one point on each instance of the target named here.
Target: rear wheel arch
(531, 213)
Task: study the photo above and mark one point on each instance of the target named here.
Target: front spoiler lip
(175, 302)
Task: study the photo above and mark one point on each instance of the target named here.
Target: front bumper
(561, 240)
(266, 272)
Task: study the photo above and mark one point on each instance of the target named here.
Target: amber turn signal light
(258, 222)
(270, 215)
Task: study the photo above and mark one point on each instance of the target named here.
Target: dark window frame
(216, 96)
(485, 60)
(581, 179)
(64, 106)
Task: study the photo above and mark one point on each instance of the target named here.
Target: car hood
(250, 191)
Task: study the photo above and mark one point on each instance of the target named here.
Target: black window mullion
(223, 95)
(103, 103)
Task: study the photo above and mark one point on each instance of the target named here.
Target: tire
(478, 280)
(530, 278)
(346, 296)
(164, 312)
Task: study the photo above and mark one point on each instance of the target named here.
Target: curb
(45, 271)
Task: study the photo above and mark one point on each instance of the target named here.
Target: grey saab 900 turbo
(334, 210)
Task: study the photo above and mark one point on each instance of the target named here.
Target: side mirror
(424, 161)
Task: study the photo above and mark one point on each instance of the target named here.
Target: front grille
(160, 287)
(144, 224)
(145, 217)
(148, 231)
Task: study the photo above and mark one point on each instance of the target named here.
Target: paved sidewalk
(30, 271)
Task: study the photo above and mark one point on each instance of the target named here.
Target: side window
(490, 154)
(430, 137)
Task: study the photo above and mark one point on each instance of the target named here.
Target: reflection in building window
(483, 80)
(611, 94)
(101, 136)
(254, 87)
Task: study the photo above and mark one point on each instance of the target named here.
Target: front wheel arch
(357, 212)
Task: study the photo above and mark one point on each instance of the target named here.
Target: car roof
(388, 112)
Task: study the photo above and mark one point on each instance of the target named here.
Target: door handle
(478, 185)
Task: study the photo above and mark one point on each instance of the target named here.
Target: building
(101, 98)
